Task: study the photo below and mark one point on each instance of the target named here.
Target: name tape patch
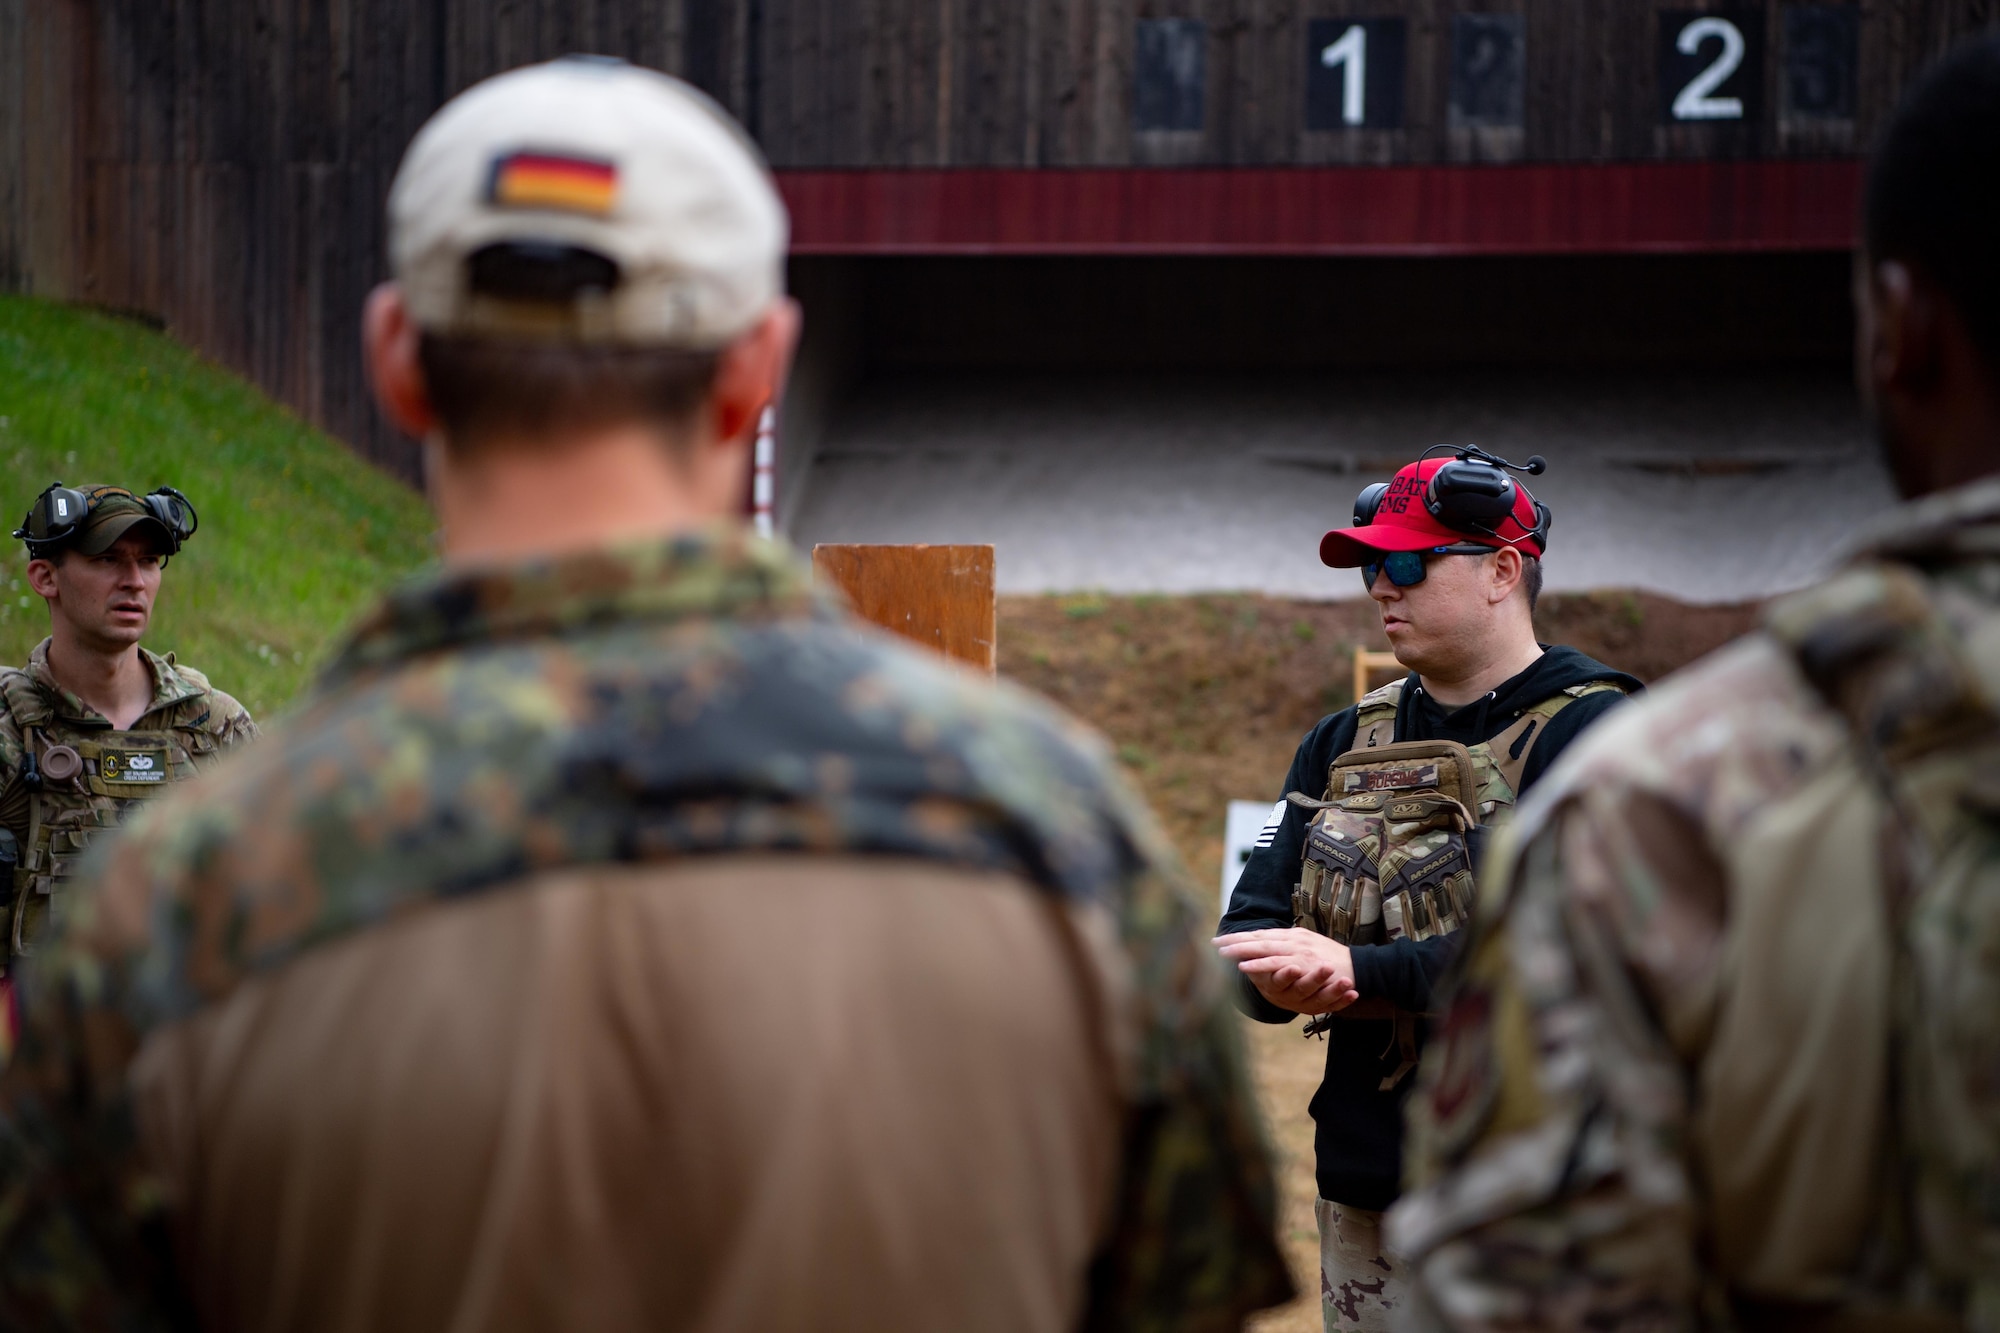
(133, 766)
(1266, 834)
(1394, 779)
(553, 180)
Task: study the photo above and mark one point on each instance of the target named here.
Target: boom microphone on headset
(1471, 494)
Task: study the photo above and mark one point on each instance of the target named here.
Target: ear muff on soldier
(60, 511)
(175, 513)
(53, 518)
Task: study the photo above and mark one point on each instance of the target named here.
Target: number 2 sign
(1711, 65)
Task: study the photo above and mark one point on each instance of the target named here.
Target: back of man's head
(1933, 197)
(577, 243)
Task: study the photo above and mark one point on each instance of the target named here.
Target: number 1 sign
(1711, 65)
(1354, 73)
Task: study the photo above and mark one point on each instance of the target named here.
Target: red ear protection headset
(1471, 494)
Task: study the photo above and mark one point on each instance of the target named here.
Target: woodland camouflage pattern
(188, 718)
(1722, 1050)
(641, 703)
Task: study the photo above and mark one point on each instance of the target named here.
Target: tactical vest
(1895, 654)
(1388, 851)
(80, 781)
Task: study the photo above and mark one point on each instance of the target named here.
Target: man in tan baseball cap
(623, 937)
(590, 251)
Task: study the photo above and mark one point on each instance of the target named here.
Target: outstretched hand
(1296, 969)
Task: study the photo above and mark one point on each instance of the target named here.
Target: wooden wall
(1050, 83)
(220, 165)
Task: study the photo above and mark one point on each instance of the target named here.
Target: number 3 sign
(1711, 65)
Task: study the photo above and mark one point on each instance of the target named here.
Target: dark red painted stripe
(1542, 208)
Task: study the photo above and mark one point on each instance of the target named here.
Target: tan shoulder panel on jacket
(880, 1088)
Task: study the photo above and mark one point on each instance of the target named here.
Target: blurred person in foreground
(1724, 1050)
(622, 936)
(1349, 905)
(94, 723)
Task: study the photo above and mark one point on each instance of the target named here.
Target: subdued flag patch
(550, 180)
(1270, 829)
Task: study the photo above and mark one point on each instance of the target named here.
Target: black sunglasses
(1407, 569)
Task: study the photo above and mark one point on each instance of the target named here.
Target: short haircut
(484, 388)
(1934, 186)
(1531, 575)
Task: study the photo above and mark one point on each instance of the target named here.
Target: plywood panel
(938, 596)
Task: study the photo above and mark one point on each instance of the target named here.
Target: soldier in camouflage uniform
(95, 723)
(1723, 1050)
(622, 936)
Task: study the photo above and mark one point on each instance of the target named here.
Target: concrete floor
(1704, 487)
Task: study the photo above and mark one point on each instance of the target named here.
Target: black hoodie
(1359, 1128)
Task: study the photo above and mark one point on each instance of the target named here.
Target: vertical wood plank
(52, 213)
(13, 129)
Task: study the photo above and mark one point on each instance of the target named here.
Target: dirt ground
(1205, 699)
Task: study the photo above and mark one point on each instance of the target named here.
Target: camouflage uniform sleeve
(1193, 1241)
(83, 1223)
(13, 805)
(230, 720)
(12, 750)
(1547, 1159)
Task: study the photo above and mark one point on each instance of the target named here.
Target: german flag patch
(550, 180)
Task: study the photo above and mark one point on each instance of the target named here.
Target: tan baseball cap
(115, 511)
(586, 200)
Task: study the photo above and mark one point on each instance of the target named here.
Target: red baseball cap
(1402, 522)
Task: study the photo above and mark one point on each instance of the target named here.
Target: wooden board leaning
(938, 596)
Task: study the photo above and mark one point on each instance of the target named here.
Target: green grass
(297, 535)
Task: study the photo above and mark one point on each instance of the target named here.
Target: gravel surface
(1703, 487)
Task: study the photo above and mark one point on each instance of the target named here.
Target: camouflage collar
(169, 687)
(1954, 524)
(722, 571)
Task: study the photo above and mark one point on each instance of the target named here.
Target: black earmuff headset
(60, 510)
(1471, 494)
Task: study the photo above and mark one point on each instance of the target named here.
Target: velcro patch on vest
(132, 767)
(1392, 779)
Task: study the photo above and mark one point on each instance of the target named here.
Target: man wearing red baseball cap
(1349, 906)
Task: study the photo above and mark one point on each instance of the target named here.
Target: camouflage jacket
(188, 726)
(646, 702)
(1720, 1051)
